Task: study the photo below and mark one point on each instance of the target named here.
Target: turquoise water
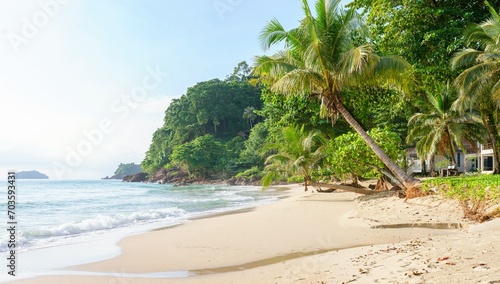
(51, 213)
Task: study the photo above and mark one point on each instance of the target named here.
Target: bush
(250, 173)
(349, 156)
(476, 194)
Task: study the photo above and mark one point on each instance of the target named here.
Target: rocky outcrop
(243, 181)
(179, 177)
(140, 177)
(124, 170)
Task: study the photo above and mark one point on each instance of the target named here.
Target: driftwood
(330, 190)
(333, 187)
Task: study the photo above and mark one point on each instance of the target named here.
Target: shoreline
(297, 239)
(52, 257)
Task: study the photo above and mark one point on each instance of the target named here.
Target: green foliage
(476, 194)
(127, 169)
(432, 31)
(241, 73)
(213, 107)
(158, 152)
(249, 115)
(295, 179)
(380, 108)
(349, 156)
(443, 164)
(251, 155)
(479, 187)
(250, 173)
(200, 157)
(207, 156)
(440, 126)
(297, 153)
(324, 57)
(479, 83)
(296, 111)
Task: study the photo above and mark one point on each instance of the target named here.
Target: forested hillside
(205, 129)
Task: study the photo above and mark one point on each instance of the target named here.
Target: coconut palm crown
(439, 127)
(320, 59)
(297, 153)
(479, 83)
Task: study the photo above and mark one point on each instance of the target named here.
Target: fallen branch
(358, 190)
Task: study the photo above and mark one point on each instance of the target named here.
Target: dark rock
(179, 177)
(140, 177)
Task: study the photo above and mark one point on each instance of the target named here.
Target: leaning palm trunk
(406, 180)
(451, 147)
(493, 135)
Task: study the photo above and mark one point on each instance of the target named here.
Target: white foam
(44, 235)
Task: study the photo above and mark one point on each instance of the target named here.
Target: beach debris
(451, 263)
(417, 273)
(480, 267)
(442, 258)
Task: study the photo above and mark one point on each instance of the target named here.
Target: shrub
(476, 194)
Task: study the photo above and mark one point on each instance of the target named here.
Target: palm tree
(479, 84)
(297, 153)
(441, 127)
(249, 115)
(320, 59)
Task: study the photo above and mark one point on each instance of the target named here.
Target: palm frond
(273, 33)
(465, 58)
(492, 11)
(267, 179)
(358, 60)
(270, 69)
(478, 80)
(299, 81)
(475, 34)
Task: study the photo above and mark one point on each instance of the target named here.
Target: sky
(85, 83)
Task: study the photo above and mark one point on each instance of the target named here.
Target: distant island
(125, 170)
(31, 175)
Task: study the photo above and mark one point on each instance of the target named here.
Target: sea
(64, 213)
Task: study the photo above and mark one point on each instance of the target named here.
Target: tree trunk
(489, 121)
(423, 169)
(432, 165)
(359, 190)
(406, 180)
(451, 148)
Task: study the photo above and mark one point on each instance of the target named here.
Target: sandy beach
(309, 237)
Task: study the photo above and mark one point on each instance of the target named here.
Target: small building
(478, 158)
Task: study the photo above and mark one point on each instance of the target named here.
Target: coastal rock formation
(140, 177)
(180, 177)
(124, 170)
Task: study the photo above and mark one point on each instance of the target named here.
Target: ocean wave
(67, 212)
(105, 222)
(39, 236)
